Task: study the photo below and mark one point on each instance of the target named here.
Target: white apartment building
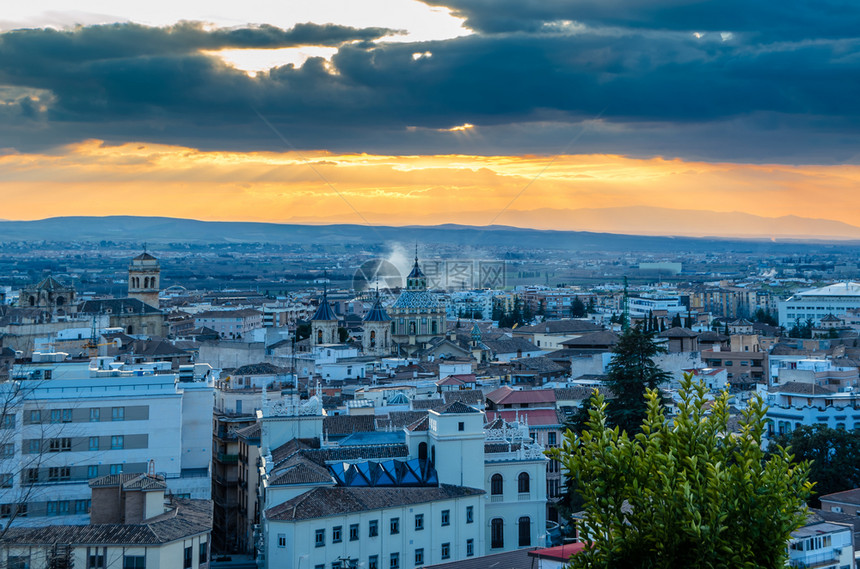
(835, 299)
(793, 404)
(67, 423)
(823, 546)
(450, 490)
(230, 323)
(643, 304)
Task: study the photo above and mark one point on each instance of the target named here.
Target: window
(188, 558)
(117, 442)
(204, 553)
(5, 480)
(497, 533)
(496, 485)
(134, 562)
(92, 471)
(58, 473)
(373, 562)
(419, 556)
(319, 538)
(353, 532)
(525, 531)
(394, 561)
(551, 439)
(8, 450)
(336, 534)
(419, 522)
(96, 561)
(470, 514)
(31, 475)
(373, 528)
(63, 444)
(8, 421)
(82, 506)
(395, 526)
(336, 565)
(446, 551)
(34, 446)
(446, 517)
(19, 562)
(117, 414)
(94, 443)
(95, 415)
(470, 547)
(116, 469)
(461, 426)
(35, 416)
(282, 540)
(61, 415)
(523, 483)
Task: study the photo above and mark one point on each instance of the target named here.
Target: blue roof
(391, 473)
(377, 313)
(324, 312)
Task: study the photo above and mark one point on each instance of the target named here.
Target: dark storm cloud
(772, 19)
(655, 92)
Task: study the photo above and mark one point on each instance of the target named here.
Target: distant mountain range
(161, 230)
(638, 220)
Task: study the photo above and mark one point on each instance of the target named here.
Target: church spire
(416, 279)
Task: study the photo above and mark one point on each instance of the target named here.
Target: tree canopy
(834, 455)
(684, 492)
(630, 372)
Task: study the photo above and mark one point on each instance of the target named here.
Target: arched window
(422, 451)
(60, 301)
(319, 337)
(496, 485)
(434, 326)
(523, 483)
(373, 338)
(525, 531)
(412, 327)
(497, 533)
(130, 330)
(32, 301)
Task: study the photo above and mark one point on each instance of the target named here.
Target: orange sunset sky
(431, 112)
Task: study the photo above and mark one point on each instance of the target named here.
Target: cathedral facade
(417, 317)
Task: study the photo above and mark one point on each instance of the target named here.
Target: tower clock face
(376, 271)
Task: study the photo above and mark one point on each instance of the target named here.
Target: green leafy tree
(684, 492)
(676, 321)
(577, 308)
(834, 455)
(761, 315)
(630, 372)
(342, 334)
(303, 331)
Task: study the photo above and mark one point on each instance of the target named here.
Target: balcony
(227, 458)
(815, 560)
(522, 496)
(497, 498)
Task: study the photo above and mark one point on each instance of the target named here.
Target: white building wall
(299, 550)
(93, 426)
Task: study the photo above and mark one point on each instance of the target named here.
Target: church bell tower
(144, 275)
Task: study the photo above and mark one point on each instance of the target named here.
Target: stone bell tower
(144, 276)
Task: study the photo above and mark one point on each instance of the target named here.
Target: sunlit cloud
(254, 61)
